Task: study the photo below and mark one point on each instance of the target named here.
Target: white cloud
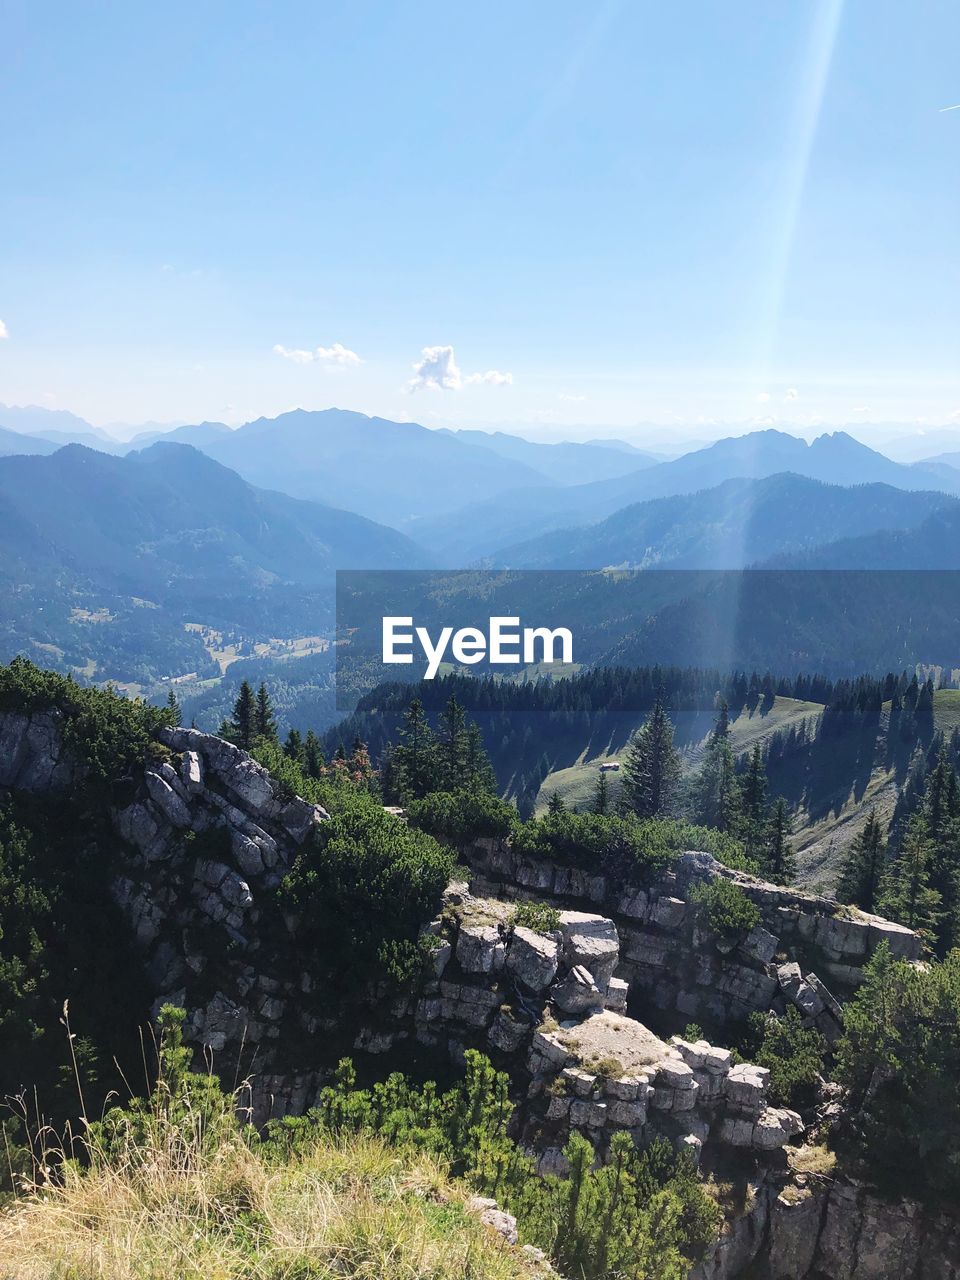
(954, 417)
(438, 371)
(337, 354)
(792, 394)
(563, 396)
(492, 378)
(4, 331)
(762, 397)
(861, 408)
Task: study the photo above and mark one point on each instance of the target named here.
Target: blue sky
(694, 213)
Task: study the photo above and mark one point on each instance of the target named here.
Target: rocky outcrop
(31, 751)
(806, 951)
(549, 1008)
(815, 1228)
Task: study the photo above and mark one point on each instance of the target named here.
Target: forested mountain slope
(734, 524)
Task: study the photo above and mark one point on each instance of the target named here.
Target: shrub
(109, 737)
(363, 887)
(538, 916)
(457, 817)
(793, 1054)
(626, 847)
(900, 1058)
(723, 909)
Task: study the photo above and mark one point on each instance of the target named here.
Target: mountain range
(482, 529)
(734, 524)
(157, 520)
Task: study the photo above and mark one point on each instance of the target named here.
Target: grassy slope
(576, 784)
(821, 845)
(345, 1209)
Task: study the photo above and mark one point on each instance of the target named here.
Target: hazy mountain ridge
(171, 513)
(834, 458)
(736, 523)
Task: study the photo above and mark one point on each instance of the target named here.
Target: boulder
(746, 1086)
(668, 913)
(479, 948)
(191, 771)
(577, 994)
(591, 941)
(532, 959)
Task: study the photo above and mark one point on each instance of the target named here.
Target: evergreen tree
(313, 761)
(173, 710)
(780, 861)
(601, 794)
(753, 814)
(862, 868)
(293, 747)
(415, 761)
(241, 726)
(479, 771)
(651, 766)
(453, 748)
(716, 791)
(264, 723)
(555, 804)
(906, 894)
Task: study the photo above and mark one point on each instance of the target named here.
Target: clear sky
(697, 212)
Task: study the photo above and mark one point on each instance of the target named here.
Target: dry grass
(346, 1209)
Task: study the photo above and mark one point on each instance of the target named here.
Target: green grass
(576, 783)
(946, 710)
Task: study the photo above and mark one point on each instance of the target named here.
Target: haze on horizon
(556, 220)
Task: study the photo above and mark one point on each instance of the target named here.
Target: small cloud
(438, 371)
(337, 354)
(762, 397)
(578, 399)
(954, 417)
(4, 331)
(861, 408)
(492, 378)
(764, 422)
(792, 394)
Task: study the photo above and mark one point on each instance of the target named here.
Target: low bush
(793, 1054)
(723, 909)
(363, 887)
(538, 916)
(627, 848)
(457, 817)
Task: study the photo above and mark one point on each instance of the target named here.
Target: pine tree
(601, 793)
(241, 725)
(906, 895)
(293, 747)
(453, 747)
(415, 756)
(264, 723)
(480, 776)
(651, 766)
(716, 791)
(862, 868)
(780, 860)
(174, 716)
(753, 815)
(313, 761)
(555, 804)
